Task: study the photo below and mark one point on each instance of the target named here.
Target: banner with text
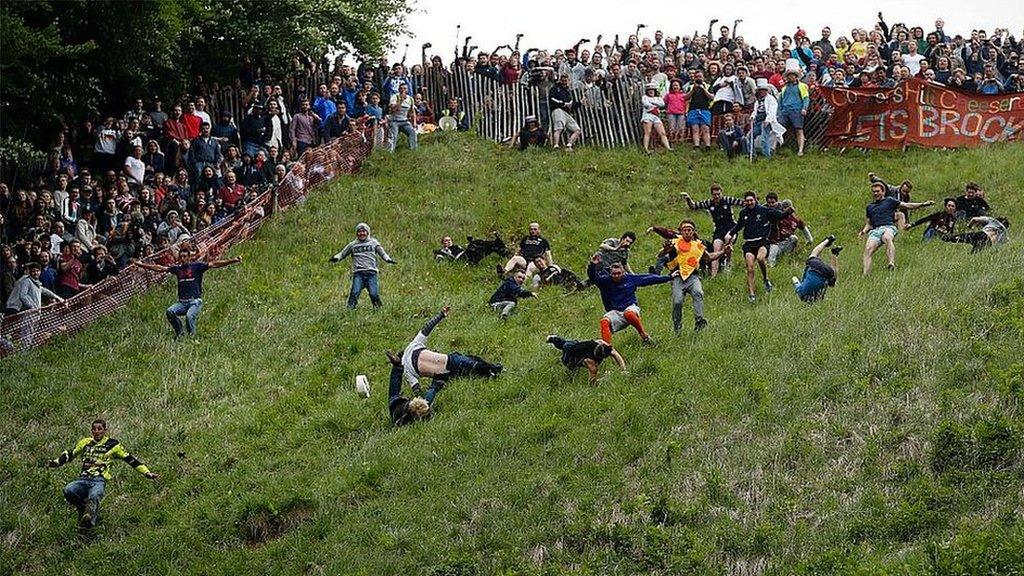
(922, 113)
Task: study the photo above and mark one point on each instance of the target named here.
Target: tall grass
(876, 432)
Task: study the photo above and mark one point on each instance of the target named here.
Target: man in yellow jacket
(97, 452)
(689, 253)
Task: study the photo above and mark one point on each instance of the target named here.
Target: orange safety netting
(32, 328)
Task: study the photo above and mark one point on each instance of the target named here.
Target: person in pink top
(675, 107)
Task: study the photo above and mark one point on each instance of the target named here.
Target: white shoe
(796, 281)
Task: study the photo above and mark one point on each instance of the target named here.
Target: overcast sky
(548, 24)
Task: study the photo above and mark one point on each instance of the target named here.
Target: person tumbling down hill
(417, 362)
(618, 295)
(818, 276)
(589, 353)
(993, 231)
(508, 294)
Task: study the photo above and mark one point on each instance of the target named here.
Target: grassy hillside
(876, 432)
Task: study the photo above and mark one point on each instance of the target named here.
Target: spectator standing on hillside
(562, 106)
(401, 117)
(364, 251)
(304, 127)
(698, 115)
(794, 101)
(189, 273)
(98, 451)
(28, 292)
(417, 361)
(70, 270)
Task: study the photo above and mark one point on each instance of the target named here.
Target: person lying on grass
(588, 353)
(417, 362)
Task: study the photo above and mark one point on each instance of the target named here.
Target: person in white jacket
(651, 118)
(764, 119)
(29, 291)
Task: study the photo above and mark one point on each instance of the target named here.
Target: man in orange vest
(689, 253)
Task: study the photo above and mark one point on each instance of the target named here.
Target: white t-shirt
(204, 116)
(913, 62)
(136, 169)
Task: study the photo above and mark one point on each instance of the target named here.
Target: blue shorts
(877, 233)
(698, 117)
(811, 287)
(791, 119)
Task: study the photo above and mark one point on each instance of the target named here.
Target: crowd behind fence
(32, 328)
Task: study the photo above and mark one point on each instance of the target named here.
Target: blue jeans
(251, 148)
(83, 491)
(366, 280)
(766, 140)
(930, 233)
(187, 308)
(406, 128)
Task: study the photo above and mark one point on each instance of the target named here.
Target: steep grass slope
(876, 432)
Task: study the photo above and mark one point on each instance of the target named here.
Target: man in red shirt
(232, 192)
(69, 270)
(192, 122)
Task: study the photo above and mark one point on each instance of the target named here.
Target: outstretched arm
(915, 205)
(345, 252)
(433, 322)
(380, 252)
(223, 263)
(151, 267)
(618, 359)
(666, 233)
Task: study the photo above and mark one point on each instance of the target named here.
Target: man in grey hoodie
(29, 291)
(364, 251)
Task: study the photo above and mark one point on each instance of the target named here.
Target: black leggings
(977, 240)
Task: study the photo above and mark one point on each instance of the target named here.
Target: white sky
(549, 24)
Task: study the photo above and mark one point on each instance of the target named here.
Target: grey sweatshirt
(364, 253)
(28, 294)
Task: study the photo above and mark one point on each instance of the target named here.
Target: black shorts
(720, 232)
(752, 247)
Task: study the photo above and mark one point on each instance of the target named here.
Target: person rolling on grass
(783, 236)
(97, 452)
(189, 272)
(880, 224)
(818, 276)
(941, 223)
(690, 253)
(508, 294)
(417, 361)
(364, 251)
(719, 207)
(756, 222)
(993, 231)
(618, 295)
(588, 353)
(530, 248)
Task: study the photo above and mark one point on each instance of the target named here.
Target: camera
(427, 45)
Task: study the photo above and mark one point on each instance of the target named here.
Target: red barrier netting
(32, 328)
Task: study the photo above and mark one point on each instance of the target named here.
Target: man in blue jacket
(618, 295)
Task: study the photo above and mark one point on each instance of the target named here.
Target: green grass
(876, 432)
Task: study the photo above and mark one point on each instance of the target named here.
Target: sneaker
(836, 250)
(768, 286)
(700, 324)
(796, 281)
(395, 360)
(830, 239)
(504, 317)
(751, 298)
(649, 342)
(89, 515)
(892, 266)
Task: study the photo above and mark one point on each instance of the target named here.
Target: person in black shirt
(531, 134)
(189, 273)
(719, 207)
(530, 248)
(562, 105)
(449, 250)
(972, 204)
(587, 353)
(756, 222)
(941, 223)
(698, 116)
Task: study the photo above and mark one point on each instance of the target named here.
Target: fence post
(273, 200)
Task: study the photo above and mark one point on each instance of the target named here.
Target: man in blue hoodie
(618, 295)
(364, 251)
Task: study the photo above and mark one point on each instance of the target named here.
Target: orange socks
(606, 330)
(634, 320)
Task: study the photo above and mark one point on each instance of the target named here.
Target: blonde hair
(419, 407)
